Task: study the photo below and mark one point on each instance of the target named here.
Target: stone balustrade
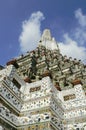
(57, 122)
(34, 118)
(13, 87)
(9, 96)
(75, 113)
(5, 113)
(29, 119)
(37, 104)
(56, 108)
(73, 104)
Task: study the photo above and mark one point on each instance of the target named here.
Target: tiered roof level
(43, 90)
(47, 59)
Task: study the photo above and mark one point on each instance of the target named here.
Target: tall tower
(43, 90)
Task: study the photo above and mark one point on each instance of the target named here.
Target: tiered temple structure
(43, 90)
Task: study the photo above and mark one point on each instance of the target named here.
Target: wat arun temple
(43, 90)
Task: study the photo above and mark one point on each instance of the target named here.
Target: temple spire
(46, 35)
(48, 41)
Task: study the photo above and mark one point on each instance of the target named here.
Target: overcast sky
(23, 21)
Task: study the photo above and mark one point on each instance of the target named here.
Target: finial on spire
(46, 35)
(48, 41)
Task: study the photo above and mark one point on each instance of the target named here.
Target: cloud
(80, 31)
(80, 35)
(73, 44)
(72, 49)
(80, 17)
(31, 32)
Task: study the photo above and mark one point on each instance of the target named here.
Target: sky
(23, 21)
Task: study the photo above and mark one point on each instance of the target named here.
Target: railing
(68, 105)
(5, 113)
(18, 121)
(9, 97)
(12, 87)
(75, 114)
